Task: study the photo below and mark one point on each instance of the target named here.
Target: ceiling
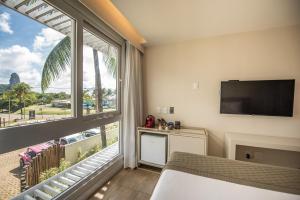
(169, 21)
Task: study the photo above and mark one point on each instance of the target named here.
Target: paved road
(12, 117)
(18, 116)
(9, 174)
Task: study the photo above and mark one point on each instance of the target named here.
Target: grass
(49, 110)
(44, 113)
(46, 110)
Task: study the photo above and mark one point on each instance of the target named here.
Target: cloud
(21, 60)
(61, 84)
(18, 57)
(29, 64)
(89, 72)
(47, 38)
(4, 23)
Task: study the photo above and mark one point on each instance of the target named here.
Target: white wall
(72, 150)
(170, 70)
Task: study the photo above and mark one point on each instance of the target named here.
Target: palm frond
(110, 60)
(29, 2)
(57, 61)
(112, 66)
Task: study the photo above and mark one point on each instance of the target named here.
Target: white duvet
(176, 185)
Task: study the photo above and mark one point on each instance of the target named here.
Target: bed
(190, 176)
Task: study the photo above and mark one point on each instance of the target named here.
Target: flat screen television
(263, 97)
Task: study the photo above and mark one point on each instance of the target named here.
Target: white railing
(60, 183)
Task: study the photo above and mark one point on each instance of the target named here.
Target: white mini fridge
(154, 148)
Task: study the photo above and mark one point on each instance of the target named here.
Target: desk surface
(199, 131)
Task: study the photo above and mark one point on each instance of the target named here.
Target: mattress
(190, 176)
(178, 185)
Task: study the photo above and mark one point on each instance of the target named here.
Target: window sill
(77, 186)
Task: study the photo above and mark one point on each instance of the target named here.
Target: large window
(35, 66)
(60, 116)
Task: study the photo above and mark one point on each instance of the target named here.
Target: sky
(24, 47)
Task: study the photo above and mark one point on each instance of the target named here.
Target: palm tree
(60, 58)
(21, 92)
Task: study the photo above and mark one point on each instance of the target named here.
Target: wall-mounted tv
(263, 97)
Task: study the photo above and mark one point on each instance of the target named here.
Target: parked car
(71, 139)
(26, 157)
(91, 132)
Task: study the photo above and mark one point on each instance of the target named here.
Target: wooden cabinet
(183, 140)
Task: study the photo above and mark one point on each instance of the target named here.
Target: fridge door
(153, 148)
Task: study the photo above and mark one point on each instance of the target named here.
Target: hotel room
(139, 100)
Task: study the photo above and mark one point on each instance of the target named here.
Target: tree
(107, 93)
(56, 62)
(60, 58)
(44, 98)
(3, 88)
(87, 101)
(30, 99)
(87, 98)
(22, 92)
(3, 101)
(9, 101)
(61, 96)
(98, 91)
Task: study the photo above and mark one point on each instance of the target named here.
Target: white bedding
(176, 185)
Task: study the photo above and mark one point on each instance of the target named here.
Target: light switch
(165, 110)
(171, 110)
(196, 85)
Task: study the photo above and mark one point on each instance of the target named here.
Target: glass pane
(35, 63)
(76, 155)
(100, 72)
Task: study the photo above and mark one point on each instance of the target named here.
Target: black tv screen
(266, 97)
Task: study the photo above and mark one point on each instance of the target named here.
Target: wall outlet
(249, 155)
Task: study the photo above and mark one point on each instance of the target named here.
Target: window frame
(91, 29)
(44, 131)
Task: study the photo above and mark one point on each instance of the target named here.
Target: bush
(82, 156)
(48, 173)
(55, 170)
(66, 164)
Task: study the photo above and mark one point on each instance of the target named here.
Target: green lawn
(49, 110)
(46, 110)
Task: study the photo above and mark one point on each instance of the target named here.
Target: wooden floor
(128, 184)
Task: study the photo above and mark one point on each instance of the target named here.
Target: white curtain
(132, 104)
